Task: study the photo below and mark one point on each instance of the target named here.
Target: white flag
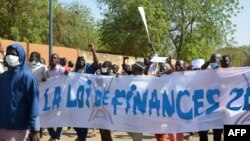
(141, 10)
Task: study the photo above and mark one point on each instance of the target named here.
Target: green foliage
(187, 29)
(24, 20)
(240, 56)
(199, 27)
(184, 29)
(73, 26)
(122, 31)
(14, 33)
(198, 50)
(28, 20)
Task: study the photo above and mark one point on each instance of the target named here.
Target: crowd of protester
(20, 90)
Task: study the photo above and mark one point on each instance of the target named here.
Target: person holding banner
(225, 62)
(106, 69)
(214, 63)
(83, 67)
(179, 66)
(55, 69)
(165, 69)
(137, 69)
(19, 99)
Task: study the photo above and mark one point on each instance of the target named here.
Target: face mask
(33, 63)
(213, 65)
(104, 70)
(12, 60)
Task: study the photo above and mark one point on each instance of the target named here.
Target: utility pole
(50, 28)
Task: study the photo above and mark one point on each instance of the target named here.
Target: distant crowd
(19, 84)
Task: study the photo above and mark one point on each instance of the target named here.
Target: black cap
(80, 58)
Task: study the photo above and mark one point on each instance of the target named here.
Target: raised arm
(95, 59)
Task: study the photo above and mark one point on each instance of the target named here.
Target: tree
(73, 26)
(122, 31)
(28, 20)
(17, 22)
(200, 24)
(194, 26)
(240, 56)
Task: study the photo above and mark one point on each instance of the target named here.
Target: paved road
(70, 135)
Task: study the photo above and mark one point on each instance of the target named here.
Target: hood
(21, 52)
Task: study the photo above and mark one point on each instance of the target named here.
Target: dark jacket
(19, 97)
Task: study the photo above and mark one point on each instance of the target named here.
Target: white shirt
(38, 70)
(152, 69)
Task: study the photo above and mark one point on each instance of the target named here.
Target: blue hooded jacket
(19, 96)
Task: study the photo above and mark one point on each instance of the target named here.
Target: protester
(64, 63)
(214, 63)
(153, 68)
(195, 65)
(125, 67)
(180, 66)
(115, 69)
(225, 61)
(106, 69)
(70, 65)
(42, 61)
(38, 70)
(55, 69)
(83, 67)
(19, 98)
(137, 69)
(98, 71)
(165, 69)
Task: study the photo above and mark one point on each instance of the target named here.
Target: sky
(242, 20)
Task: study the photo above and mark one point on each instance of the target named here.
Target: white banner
(157, 59)
(180, 102)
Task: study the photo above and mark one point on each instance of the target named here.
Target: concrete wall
(69, 53)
